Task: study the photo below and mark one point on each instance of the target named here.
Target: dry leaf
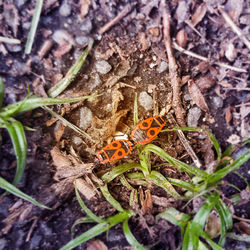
(96, 245)
(163, 201)
(243, 227)
(84, 7)
(17, 214)
(146, 201)
(205, 83)
(199, 14)
(59, 130)
(197, 96)
(213, 226)
(228, 115)
(85, 189)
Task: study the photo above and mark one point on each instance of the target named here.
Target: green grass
(9, 113)
(199, 183)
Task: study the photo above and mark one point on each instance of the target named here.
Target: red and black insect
(146, 130)
(114, 151)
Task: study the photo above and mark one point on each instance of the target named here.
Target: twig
(235, 28)
(122, 14)
(202, 58)
(9, 40)
(173, 68)
(31, 229)
(185, 142)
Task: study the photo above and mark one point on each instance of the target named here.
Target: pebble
(86, 25)
(65, 10)
(14, 47)
(217, 102)
(77, 141)
(103, 67)
(19, 3)
(26, 25)
(146, 101)
(162, 67)
(193, 116)
(82, 40)
(95, 82)
(60, 36)
(85, 118)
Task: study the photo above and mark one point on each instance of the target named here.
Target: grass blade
(110, 198)
(159, 180)
(21, 159)
(80, 221)
(98, 229)
(210, 242)
(175, 217)
(119, 170)
(210, 135)
(183, 184)
(176, 163)
(130, 237)
(34, 102)
(64, 83)
(226, 170)
(16, 132)
(68, 124)
(136, 119)
(2, 90)
(12, 189)
(89, 213)
(225, 219)
(34, 24)
(91, 233)
(242, 237)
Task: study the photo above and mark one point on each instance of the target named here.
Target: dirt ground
(128, 57)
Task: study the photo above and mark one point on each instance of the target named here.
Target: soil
(128, 57)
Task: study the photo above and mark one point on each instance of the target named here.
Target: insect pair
(144, 132)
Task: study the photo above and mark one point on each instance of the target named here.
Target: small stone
(103, 67)
(65, 10)
(85, 118)
(146, 100)
(19, 4)
(231, 52)
(77, 141)
(14, 48)
(233, 139)
(162, 67)
(82, 40)
(95, 82)
(86, 26)
(26, 25)
(193, 116)
(217, 102)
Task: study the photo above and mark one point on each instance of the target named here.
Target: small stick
(31, 229)
(122, 14)
(173, 68)
(202, 58)
(235, 28)
(184, 141)
(9, 40)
